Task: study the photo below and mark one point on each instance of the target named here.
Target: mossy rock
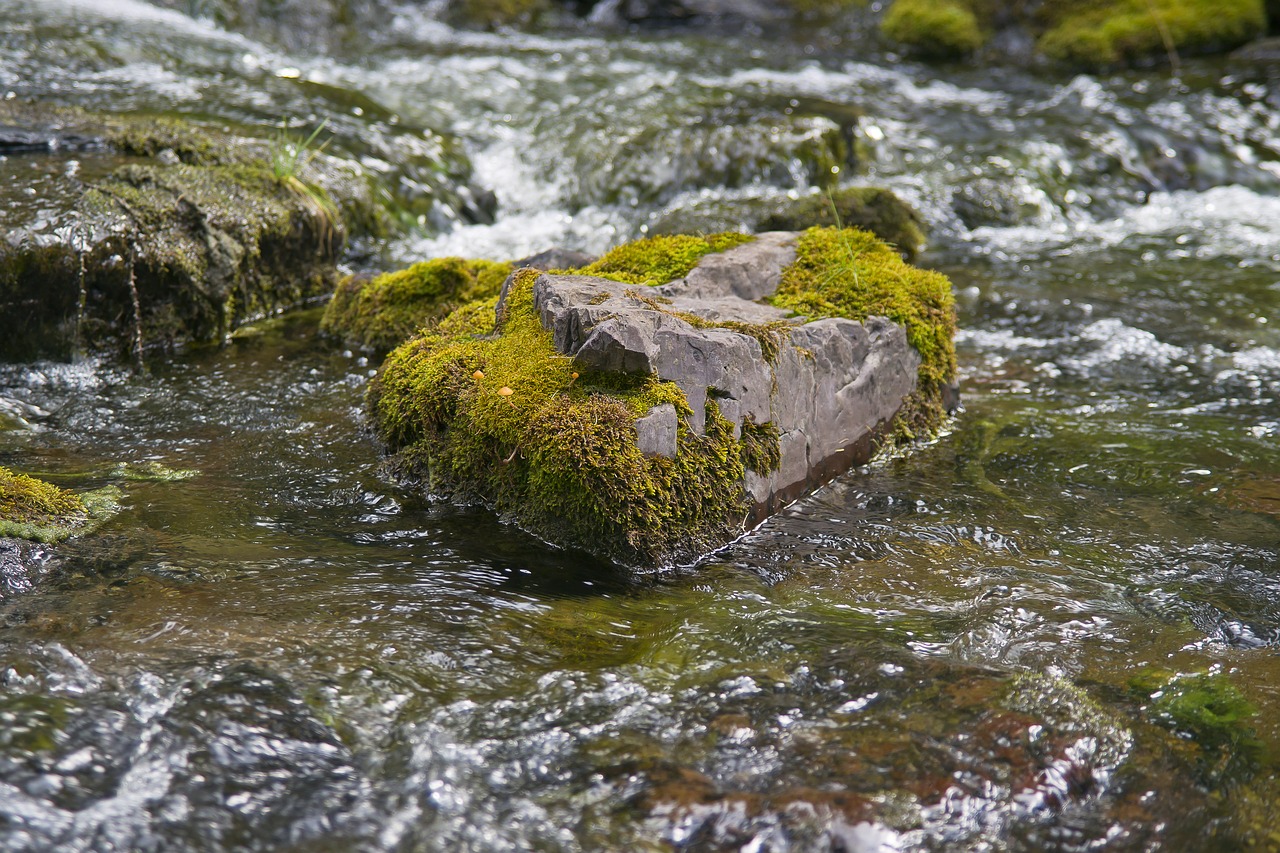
(874, 209)
(853, 275)
(165, 233)
(939, 29)
(1106, 33)
(41, 512)
(380, 313)
(488, 410)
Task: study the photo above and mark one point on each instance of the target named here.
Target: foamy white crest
(134, 12)
(1118, 342)
(518, 235)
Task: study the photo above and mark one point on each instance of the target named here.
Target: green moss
(873, 209)
(1105, 33)
(558, 453)
(382, 313)
(761, 450)
(658, 260)
(1209, 709)
(852, 274)
(34, 509)
(934, 28)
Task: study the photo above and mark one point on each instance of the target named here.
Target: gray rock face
(833, 384)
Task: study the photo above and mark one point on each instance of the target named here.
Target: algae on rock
(163, 232)
(873, 209)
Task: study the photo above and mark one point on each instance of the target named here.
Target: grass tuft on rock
(852, 274)
(559, 452)
(381, 313)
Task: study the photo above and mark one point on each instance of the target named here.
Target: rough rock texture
(829, 388)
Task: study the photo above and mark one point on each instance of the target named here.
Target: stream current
(1055, 627)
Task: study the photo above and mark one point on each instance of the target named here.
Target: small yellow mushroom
(574, 375)
(478, 375)
(504, 391)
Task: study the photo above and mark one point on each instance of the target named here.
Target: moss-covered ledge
(139, 233)
(38, 511)
(492, 409)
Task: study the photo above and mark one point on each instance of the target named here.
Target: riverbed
(1054, 627)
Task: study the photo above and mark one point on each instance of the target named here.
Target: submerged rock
(131, 234)
(653, 405)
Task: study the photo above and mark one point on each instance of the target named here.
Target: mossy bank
(135, 233)
(648, 471)
(1094, 34)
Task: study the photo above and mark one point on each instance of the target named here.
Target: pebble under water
(1054, 628)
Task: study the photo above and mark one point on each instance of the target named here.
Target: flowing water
(1056, 627)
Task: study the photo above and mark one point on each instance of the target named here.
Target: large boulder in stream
(655, 404)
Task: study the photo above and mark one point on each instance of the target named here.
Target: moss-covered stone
(849, 273)
(934, 28)
(486, 410)
(1101, 33)
(507, 421)
(873, 209)
(34, 509)
(382, 312)
(1206, 708)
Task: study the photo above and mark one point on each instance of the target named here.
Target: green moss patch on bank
(940, 29)
(36, 510)
(1105, 33)
(385, 311)
(851, 274)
